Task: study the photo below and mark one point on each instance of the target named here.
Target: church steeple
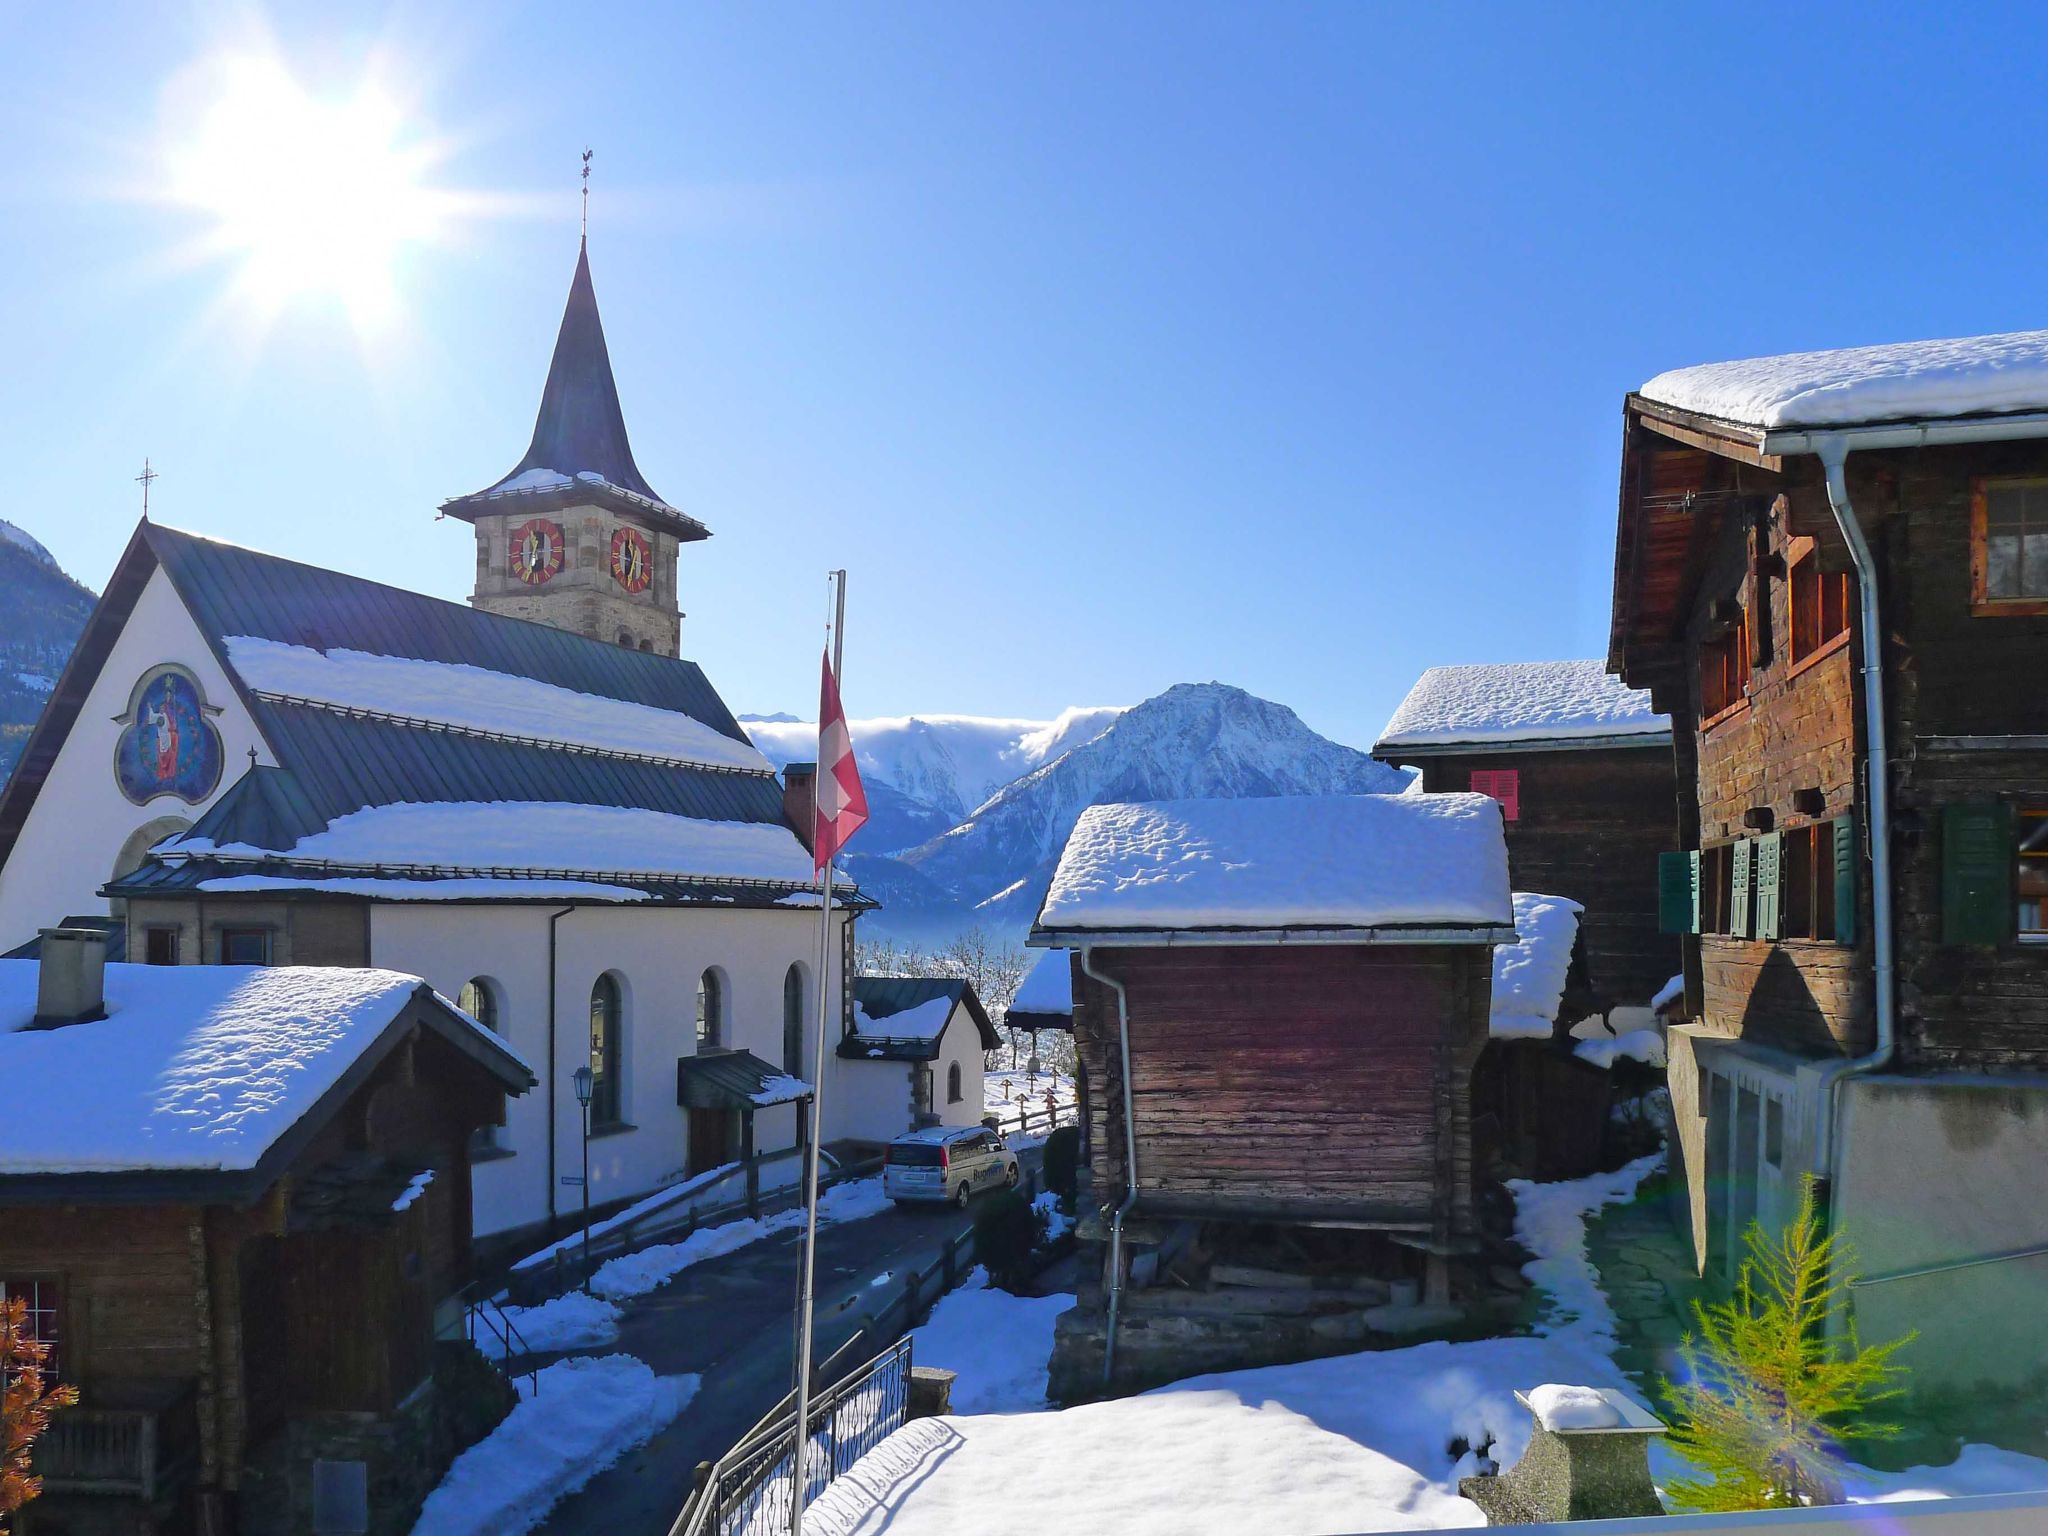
(574, 535)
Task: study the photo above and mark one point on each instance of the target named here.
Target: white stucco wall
(657, 955)
(961, 1043)
(871, 1100)
(69, 844)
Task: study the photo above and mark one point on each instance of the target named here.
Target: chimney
(71, 977)
(800, 801)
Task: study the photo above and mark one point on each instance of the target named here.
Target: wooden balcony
(138, 1443)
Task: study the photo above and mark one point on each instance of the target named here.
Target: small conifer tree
(24, 1406)
(1768, 1392)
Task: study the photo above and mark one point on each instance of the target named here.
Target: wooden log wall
(1591, 825)
(1310, 1075)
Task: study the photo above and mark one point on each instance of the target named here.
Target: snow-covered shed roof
(1529, 974)
(1527, 704)
(1045, 997)
(1425, 867)
(204, 1077)
(903, 1018)
(1852, 386)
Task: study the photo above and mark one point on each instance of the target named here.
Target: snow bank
(998, 1343)
(1559, 1406)
(1909, 380)
(538, 834)
(1644, 1045)
(475, 698)
(1668, 994)
(635, 1274)
(922, 1021)
(1519, 701)
(573, 1320)
(195, 1067)
(1337, 861)
(581, 1416)
(1529, 974)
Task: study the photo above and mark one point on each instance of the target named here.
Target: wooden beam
(1721, 438)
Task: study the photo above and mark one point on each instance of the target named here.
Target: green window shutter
(1845, 880)
(1770, 862)
(1738, 888)
(1976, 872)
(1677, 888)
(1695, 869)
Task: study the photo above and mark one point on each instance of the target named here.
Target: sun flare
(313, 195)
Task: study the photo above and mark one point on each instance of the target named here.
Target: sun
(313, 195)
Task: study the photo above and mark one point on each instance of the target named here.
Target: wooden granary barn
(1277, 1004)
(1831, 570)
(235, 1201)
(1582, 767)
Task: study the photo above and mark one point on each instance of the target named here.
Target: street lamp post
(584, 1082)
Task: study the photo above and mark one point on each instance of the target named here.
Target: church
(531, 801)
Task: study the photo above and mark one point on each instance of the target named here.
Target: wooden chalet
(237, 1202)
(1831, 571)
(1299, 987)
(1582, 768)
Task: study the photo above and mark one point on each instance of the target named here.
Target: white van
(946, 1162)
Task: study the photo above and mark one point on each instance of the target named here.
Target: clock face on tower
(632, 560)
(537, 546)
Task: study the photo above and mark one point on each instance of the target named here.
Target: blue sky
(1108, 347)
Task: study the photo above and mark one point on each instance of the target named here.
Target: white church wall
(81, 820)
(960, 1046)
(867, 1100)
(657, 954)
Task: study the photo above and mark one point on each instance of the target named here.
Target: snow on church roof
(476, 698)
(1899, 381)
(1519, 701)
(1293, 861)
(196, 1068)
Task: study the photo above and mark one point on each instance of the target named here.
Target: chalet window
(607, 1031)
(1817, 882)
(710, 1011)
(245, 946)
(43, 1298)
(1502, 784)
(793, 1021)
(1820, 602)
(159, 945)
(2031, 876)
(1714, 888)
(1724, 670)
(2009, 546)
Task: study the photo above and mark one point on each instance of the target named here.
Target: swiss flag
(842, 805)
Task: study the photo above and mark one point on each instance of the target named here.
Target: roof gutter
(1116, 1221)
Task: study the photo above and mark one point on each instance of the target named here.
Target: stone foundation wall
(404, 1452)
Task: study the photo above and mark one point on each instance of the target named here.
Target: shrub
(1768, 1393)
(1006, 1231)
(25, 1406)
(1062, 1163)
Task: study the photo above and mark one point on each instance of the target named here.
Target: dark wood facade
(1295, 1083)
(203, 1322)
(1771, 783)
(1590, 822)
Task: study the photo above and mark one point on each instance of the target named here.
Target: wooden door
(710, 1137)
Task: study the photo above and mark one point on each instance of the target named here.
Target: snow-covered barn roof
(1527, 704)
(1420, 868)
(206, 1070)
(1045, 997)
(1852, 386)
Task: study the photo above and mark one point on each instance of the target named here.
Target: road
(731, 1321)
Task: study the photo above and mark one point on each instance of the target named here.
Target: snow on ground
(1668, 994)
(573, 1320)
(578, 1418)
(199, 1067)
(1529, 974)
(1519, 701)
(537, 834)
(455, 693)
(999, 1344)
(1284, 861)
(1644, 1045)
(635, 1274)
(1897, 381)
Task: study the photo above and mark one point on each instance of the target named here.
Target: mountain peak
(22, 538)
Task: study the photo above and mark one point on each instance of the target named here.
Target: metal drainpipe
(1116, 1221)
(1833, 450)
(552, 1068)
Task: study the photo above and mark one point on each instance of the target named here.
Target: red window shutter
(1504, 785)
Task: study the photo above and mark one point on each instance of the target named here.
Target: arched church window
(607, 1051)
(479, 999)
(953, 1083)
(710, 1010)
(793, 1021)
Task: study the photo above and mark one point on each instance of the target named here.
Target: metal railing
(499, 1339)
(747, 1491)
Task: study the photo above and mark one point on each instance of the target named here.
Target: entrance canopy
(735, 1080)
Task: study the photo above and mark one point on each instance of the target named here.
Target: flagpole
(798, 1483)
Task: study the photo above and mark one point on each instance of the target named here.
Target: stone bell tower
(574, 536)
